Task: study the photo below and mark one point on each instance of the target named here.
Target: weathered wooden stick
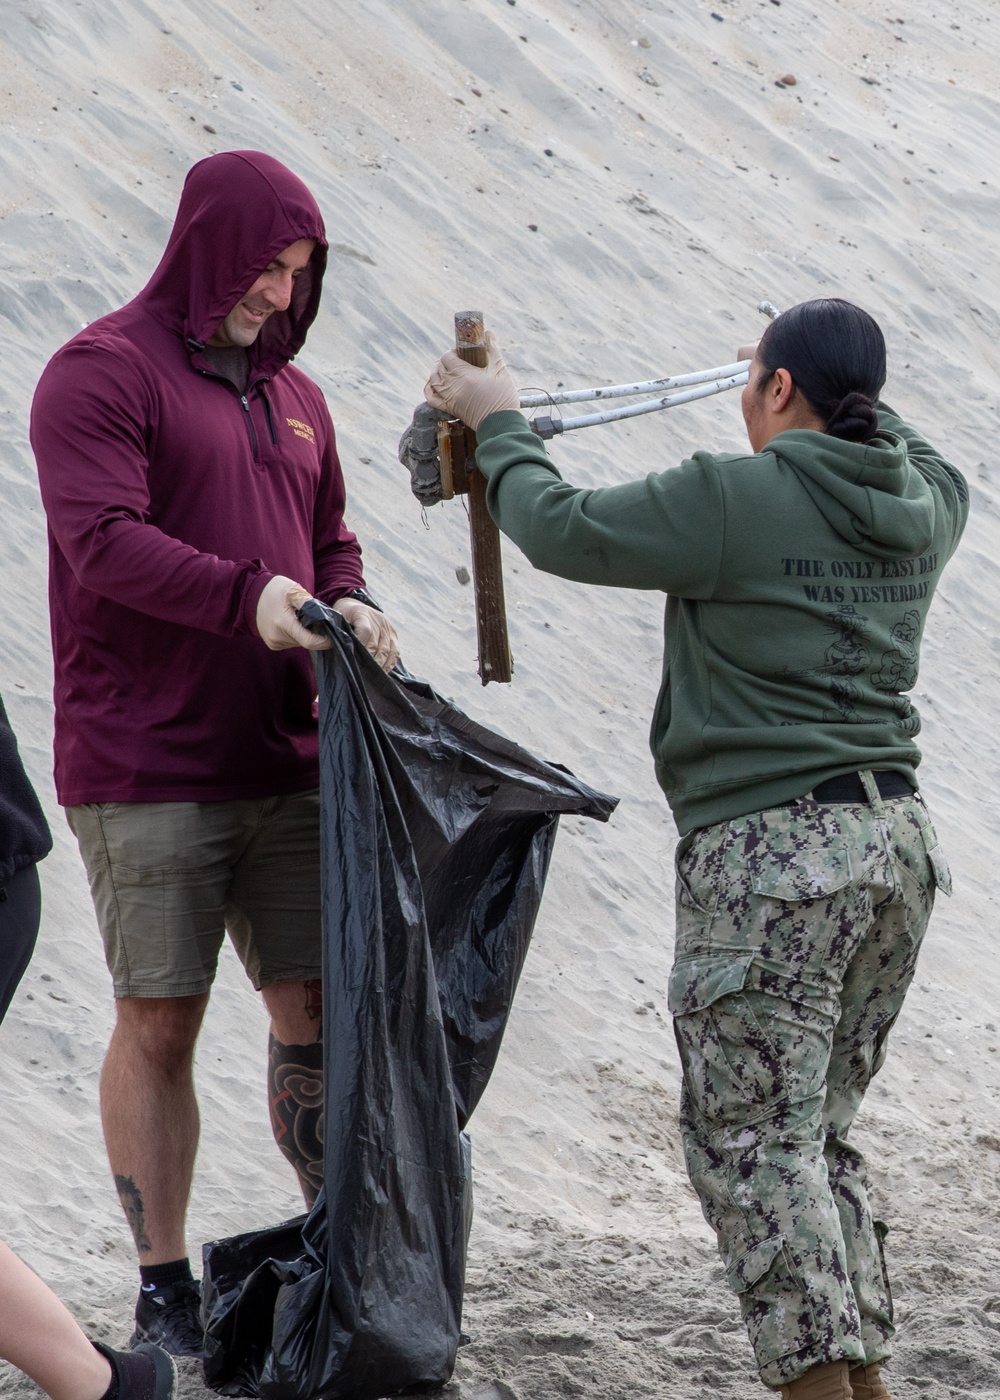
(458, 474)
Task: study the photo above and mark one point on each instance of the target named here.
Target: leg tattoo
(295, 1094)
(131, 1199)
(314, 999)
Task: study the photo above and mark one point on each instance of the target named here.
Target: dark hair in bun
(835, 353)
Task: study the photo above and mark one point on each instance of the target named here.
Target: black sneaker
(170, 1315)
(146, 1373)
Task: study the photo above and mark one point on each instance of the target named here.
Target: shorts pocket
(731, 1070)
(140, 903)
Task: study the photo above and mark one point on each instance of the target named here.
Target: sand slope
(617, 185)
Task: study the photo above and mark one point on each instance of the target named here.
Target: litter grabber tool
(440, 454)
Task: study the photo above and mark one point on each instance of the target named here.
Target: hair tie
(854, 419)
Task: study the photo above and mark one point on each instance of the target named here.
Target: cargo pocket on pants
(938, 861)
(934, 851)
(754, 1264)
(731, 1070)
(773, 1301)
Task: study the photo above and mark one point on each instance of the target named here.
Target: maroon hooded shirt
(171, 501)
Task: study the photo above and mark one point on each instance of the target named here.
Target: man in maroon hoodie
(194, 499)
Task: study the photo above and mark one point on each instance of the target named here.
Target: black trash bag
(436, 836)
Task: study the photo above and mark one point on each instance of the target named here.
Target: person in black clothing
(37, 1333)
(24, 840)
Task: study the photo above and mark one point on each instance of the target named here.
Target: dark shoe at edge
(144, 1373)
(170, 1317)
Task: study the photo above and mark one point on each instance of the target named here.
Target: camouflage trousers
(798, 930)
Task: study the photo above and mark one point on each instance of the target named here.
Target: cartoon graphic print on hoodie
(172, 499)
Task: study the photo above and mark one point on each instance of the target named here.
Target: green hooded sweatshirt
(798, 583)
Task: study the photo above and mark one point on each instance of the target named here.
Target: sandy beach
(617, 186)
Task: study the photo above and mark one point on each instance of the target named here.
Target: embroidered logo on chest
(301, 430)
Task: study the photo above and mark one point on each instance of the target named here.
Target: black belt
(848, 787)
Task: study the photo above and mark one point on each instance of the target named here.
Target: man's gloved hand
(277, 624)
(373, 630)
(470, 393)
(747, 352)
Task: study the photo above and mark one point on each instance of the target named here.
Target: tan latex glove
(277, 624)
(468, 392)
(747, 352)
(373, 630)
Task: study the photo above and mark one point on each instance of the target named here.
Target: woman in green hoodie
(798, 579)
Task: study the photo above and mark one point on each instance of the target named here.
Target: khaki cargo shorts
(170, 879)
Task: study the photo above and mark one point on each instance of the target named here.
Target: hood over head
(870, 493)
(238, 211)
